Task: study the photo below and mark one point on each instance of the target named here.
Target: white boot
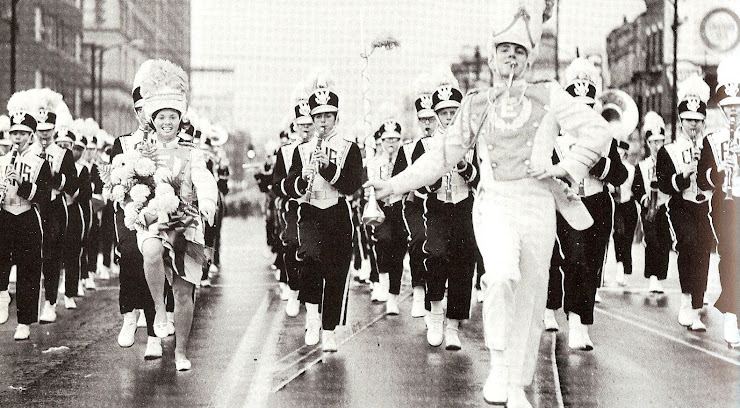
(696, 323)
(313, 324)
(391, 307)
(551, 324)
(374, 290)
(13, 274)
(589, 345)
(4, 302)
(597, 298)
(495, 390)
(69, 303)
(90, 283)
(732, 335)
(153, 348)
(328, 341)
(575, 332)
(48, 313)
(80, 289)
(284, 291)
(452, 337)
(22, 332)
(128, 331)
(293, 307)
(655, 286)
(685, 316)
(383, 287)
(435, 330)
(517, 398)
(141, 321)
(103, 272)
(619, 275)
(417, 306)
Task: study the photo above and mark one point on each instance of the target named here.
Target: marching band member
(625, 217)
(74, 238)
(718, 171)
(25, 185)
(688, 206)
(134, 291)
(303, 126)
(584, 251)
(514, 210)
(413, 206)
(390, 237)
(94, 207)
(63, 182)
(324, 171)
(658, 241)
(180, 240)
(450, 241)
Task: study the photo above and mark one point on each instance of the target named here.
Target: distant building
(48, 49)
(212, 94)
(119, 36)
(640, 52)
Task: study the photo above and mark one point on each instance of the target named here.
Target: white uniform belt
(16, 205)
(324, 195)
(456, 191)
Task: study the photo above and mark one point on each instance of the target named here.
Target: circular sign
(720, 29)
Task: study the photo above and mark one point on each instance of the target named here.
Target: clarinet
(313, 163)
(5, 185)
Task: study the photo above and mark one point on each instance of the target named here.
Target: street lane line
(259, 389)
(234, 374)
(668, 336)
(305, 367)
(555, 375)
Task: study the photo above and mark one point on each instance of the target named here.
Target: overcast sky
(272, 44)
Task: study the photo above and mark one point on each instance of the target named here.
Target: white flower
(145, 167)
(139, 193)
(162, 175)
(115, 175)
(164, 190)
(118, 161)
(118, 194)
(131, 214)
(170, 203)
(127, 171)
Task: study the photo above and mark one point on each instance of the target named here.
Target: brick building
(48, 49)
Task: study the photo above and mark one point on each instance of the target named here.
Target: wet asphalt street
(246, 352)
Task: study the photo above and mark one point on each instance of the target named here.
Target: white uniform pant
(514, 224)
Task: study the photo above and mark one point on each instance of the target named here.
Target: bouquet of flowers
(148, 194)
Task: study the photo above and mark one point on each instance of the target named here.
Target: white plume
(164, 74)
(652, 121)
(728, 70)
(4, 123)
(21, 101)
(142, 72)
(581, 68)
(321, 78)
(693, 86)
(443, 76)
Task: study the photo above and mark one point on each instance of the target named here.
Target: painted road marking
(555, 375)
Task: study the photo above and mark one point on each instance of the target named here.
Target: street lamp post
(674, 91)
(13, 40)
(97, 108)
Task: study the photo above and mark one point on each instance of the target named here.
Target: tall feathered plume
(301, 91)
(21, 101)
(693, 86)
(46, 99)
(386, 113)
(90, 128)
(322, 79)
(653, 122)
(164, 74)
(142, 72)
(443, 76)
(581, 68)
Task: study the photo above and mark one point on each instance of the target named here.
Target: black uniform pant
(290, 244)
(480, 268)
(584, 253)
(694, 243)
(390, 245)
(134, 291)
(413, 215)
(726, 217)
(555, 283)
(72, 250)
(625, 222)
(658, 244)
(450, 248)
(326, 249)
(55, 225)
(107, 233)
(89, 241)
(21, 242)
(374, 274)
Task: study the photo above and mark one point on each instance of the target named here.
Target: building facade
(49, 37)
(640, 52)
(119, 36)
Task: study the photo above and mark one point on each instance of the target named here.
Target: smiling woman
(166, 124)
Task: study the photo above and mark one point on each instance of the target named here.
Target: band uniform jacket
(711, 171)
(34, 186)
(63, 172)
(673, 159)
(646, 181)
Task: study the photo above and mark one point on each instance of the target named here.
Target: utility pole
(92, 81)
(13, 39)
(674, 91)
(557, 40)
(100, 88)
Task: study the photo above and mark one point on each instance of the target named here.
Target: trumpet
(315, 166)
(372, 214)
(733, 149)
(652, 208)
(6, 182)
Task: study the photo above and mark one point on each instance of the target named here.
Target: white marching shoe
(69, 303)
(128, 331)
(391, 306)
(313, 329)
(619, 276)
(141, 321)
(495, 390)
(685, 315)
(383, 286)
(183, 364)
(328, 341)
(160, 329)
(212, 271)
(103, 272)
(284, 291)
(153, 348)
(80, 289)
(576, 340)
(551, 324)
(4, 303)
(696, 323)
(48, 313)
(90, 283)
(205, 283)
(732, 334)
(22, 332)
(435, 329)
(293, 307)
(13, 278)
(417, 305)
(170, 323)
(597, 298)
(452, 335)
(655, 286)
